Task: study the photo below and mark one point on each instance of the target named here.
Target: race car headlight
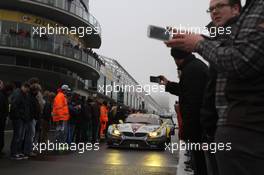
(153, 134)
(116, 132)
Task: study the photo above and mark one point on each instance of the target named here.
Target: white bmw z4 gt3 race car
(145, 131)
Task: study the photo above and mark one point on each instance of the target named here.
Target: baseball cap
(65, 87)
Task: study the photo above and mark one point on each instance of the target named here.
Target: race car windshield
(143, 120)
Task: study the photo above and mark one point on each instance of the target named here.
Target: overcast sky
(124, 32)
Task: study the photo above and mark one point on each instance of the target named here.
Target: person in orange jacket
(61, 114)
(103, 118)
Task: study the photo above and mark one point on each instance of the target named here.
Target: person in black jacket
(74, 124)
(83, 127)
(95, 120)
(5, 91)
(190, 89)
(30, 121)
(86, 123)
(46, 116)
(19, 112)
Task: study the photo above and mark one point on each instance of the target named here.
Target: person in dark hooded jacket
(19, 114)
(5, 91)
(190, 89)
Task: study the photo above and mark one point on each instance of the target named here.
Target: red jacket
(103, 113)
(179, 118)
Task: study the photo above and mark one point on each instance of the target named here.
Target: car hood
(137, 127)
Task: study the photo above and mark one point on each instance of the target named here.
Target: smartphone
(154, 79)
(159, 33)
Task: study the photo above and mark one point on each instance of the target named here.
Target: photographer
(193, 78)
(242, 59)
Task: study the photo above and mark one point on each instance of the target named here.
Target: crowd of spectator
(34, 112)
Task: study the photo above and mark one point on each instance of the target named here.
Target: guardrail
(72, 7)
(48, 46)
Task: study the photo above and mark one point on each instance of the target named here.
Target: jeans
(81, 133)
(18, 136)
(44, 129)
(89, 131)
(30, 130)
(95, 131)
(2, 132)
(61, 131)
(86, 128)
(70, 133)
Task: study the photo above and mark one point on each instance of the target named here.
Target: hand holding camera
(162, 80)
